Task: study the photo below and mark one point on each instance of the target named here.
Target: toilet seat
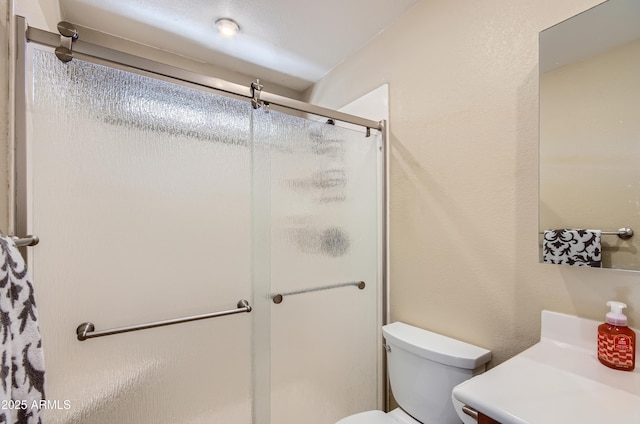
(397, 416)
(369, 417)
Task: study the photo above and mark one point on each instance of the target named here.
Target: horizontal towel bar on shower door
(86, 330)
(278, 298)
(25, 241)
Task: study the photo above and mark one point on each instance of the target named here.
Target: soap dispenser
(616, 341)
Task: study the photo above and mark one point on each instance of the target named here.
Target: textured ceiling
(293, 43)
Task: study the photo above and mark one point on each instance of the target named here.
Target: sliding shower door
(323, 264)
(155, 200)
(141, 197)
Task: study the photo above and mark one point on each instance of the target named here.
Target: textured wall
(463, 80)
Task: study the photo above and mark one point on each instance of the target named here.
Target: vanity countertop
(558, 380)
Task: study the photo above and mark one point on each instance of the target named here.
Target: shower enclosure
(155, 196)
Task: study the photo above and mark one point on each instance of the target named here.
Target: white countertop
(558, 380)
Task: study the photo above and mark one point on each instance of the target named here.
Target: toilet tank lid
(435, 347)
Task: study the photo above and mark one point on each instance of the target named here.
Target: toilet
(423, 369)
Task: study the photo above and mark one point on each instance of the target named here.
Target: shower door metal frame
(19, 180)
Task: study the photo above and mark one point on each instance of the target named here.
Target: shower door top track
(96, 53)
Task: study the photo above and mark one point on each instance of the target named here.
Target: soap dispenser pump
(616, 341)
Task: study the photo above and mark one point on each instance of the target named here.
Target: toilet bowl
(423, 369)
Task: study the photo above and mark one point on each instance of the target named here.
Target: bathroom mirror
(590, 128)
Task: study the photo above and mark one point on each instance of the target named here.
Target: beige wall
(589, 132)
(463, 80)
(43, 14)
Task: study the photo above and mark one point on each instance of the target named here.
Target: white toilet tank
(424, 367)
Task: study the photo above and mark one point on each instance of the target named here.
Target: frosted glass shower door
(323, 185)
(140, 194)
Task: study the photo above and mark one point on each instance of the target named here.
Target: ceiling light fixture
(227, 27)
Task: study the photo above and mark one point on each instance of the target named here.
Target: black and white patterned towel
(21, 357)
(572, 247)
